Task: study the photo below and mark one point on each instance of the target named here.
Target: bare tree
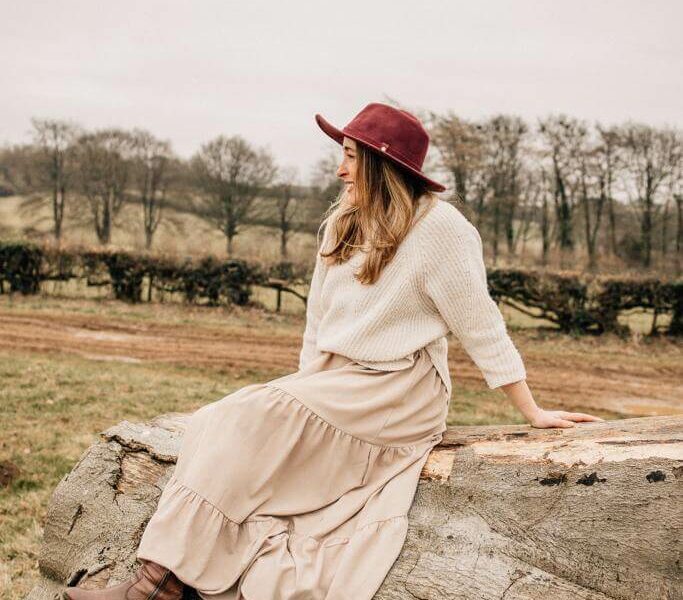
(56, 161)
(609, 160)
(545, 225)
(150, 161)
(288, 206)
(664, 237)
(561, 135)
(325, 187)
(677, 193)
(104, 159)
(232, 174)
(593, 172)
(462, 149)
(505, 136)
(324, 178)
(679, 233)
(531, 192)
(17, 169)
(651, 157)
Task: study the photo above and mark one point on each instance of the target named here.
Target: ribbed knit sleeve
(455, 280)
(313, 307)
(313, 315)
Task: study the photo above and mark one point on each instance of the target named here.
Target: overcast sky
(188, 71)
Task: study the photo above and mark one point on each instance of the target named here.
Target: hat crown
(392, 130)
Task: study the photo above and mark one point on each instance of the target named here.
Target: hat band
(383, 146)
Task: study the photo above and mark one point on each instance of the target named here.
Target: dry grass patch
(65, 375)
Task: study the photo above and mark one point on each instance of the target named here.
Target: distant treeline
(584, 193)
(575, 303)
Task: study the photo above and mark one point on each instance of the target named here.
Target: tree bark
(592, 512)
(679, 233)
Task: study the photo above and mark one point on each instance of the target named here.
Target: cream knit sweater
(435, 284)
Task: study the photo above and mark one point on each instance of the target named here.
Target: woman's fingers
(577, 416)
(562, 418)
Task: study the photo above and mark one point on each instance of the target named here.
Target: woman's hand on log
(559, 418)
(521, 396)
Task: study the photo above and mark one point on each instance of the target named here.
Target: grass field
(71, 368)
(179, 233)
(74, 362)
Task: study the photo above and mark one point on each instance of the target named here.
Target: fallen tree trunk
(592, 512)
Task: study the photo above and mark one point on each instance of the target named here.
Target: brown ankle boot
(150, 582)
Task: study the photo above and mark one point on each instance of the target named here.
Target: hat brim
(338, 136)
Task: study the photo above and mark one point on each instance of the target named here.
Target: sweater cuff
(514, 371)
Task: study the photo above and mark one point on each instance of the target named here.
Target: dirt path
(575, 375)
(99, 338)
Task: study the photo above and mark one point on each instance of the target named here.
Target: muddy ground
(623, 378)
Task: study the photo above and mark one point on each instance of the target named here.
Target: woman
(300, 487)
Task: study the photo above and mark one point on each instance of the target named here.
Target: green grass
(52, 410)
(54, 407)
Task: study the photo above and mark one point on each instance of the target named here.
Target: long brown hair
(386, 202)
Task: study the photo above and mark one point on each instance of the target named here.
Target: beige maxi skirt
(299, 488)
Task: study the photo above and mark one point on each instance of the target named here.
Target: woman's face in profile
(347, 169)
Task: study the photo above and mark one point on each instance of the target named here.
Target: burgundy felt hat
(394, 132)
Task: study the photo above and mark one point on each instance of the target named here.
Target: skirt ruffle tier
(300, 487)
